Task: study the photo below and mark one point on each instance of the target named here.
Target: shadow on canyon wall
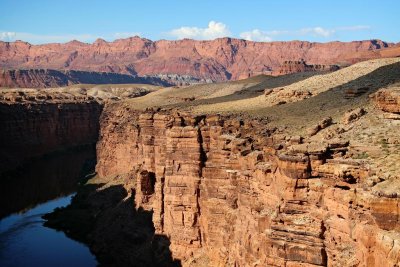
(116, 232)
(45, 178)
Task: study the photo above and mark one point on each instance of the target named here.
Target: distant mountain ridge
(183, 60)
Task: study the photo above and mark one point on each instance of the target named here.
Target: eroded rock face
(234, 193)
(217, 60)
(388, 99)
(33, 128)
(320, 126)
(353, 115)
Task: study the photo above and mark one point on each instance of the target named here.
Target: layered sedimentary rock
(184, 60)
(301, 66)
(233, 192)
(44, 78)
(38, 126)
(388, 99)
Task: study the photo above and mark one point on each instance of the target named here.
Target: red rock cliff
(216, 60)
(238, 194)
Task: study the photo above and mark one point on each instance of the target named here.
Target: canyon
(309, 182)
(179, 62)
(199, 134)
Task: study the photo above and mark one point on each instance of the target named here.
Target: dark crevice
(343, 187)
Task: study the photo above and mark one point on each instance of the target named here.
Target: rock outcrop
(388, 99)
(301, 66)
(353, 115)
(235, 193)
(320, 126)
(184, 60)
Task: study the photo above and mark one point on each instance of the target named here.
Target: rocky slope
(353, 81)
(181, 61)
(324, 91)
(32, 126)
(45, 78)
(232, 192)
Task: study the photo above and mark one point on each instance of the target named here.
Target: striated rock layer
(35, 128)
(184, 60)
(234, 193)
(388, 99)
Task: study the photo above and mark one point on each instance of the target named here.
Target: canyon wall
(33, 128)
(236, 193)
(45, 78)
(184, 60)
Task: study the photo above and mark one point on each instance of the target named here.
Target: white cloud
(317, 31)
(256, 35)
(277, 32)
(259, 35)
(214, 30)
(7, 36)
(266, 36)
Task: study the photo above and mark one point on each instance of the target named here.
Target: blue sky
(43, 21)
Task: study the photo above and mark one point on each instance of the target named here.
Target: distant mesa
(189, 61)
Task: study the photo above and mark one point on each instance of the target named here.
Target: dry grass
(208, 94)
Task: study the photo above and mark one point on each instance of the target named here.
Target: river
(25, 196)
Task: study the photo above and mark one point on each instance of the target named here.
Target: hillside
(204, 94)
(260, 92)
